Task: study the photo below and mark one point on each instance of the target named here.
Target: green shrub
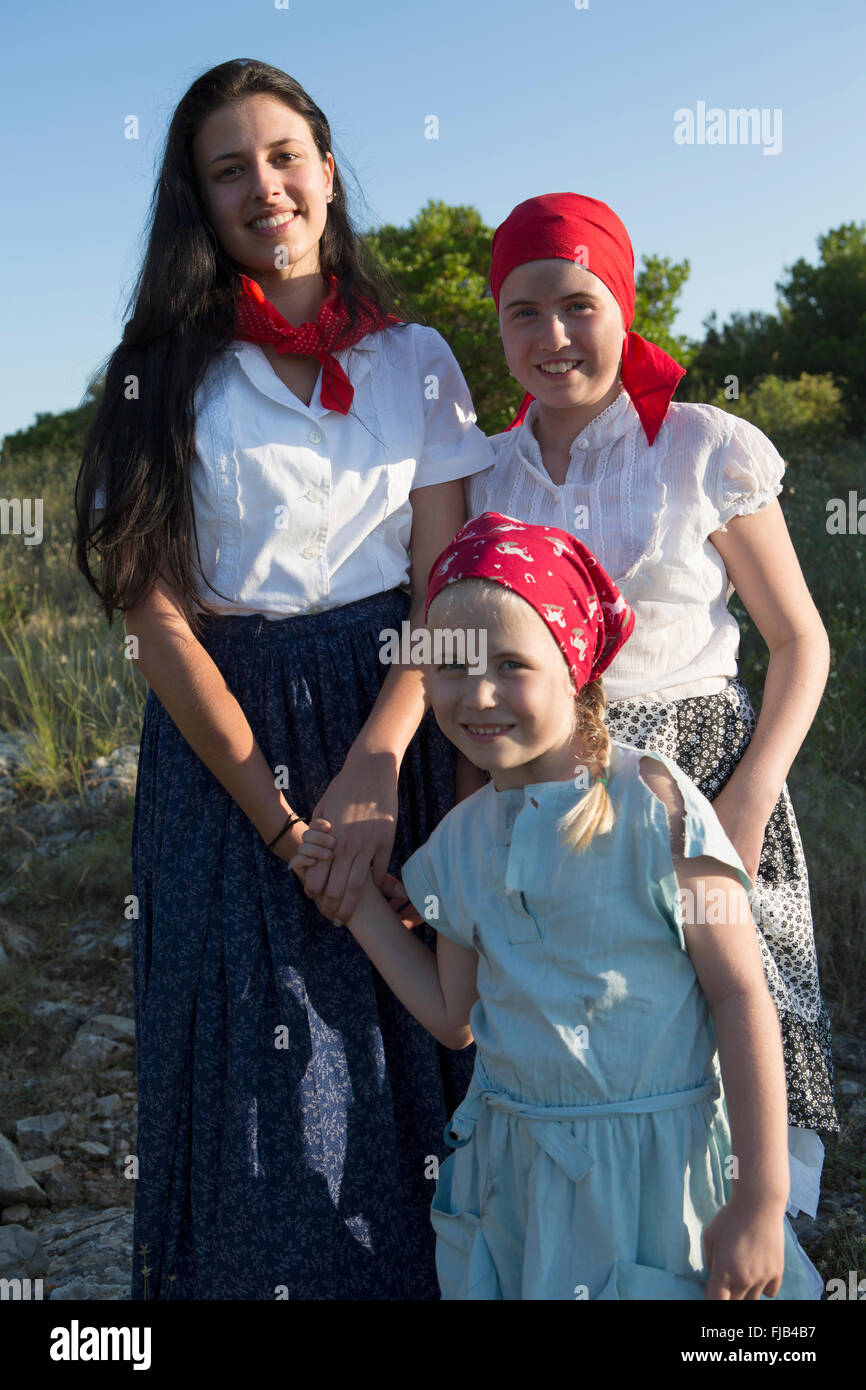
(807, 411)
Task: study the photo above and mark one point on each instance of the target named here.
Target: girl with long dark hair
(275, 462)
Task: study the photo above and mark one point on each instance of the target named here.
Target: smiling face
(562, 332)
(517, 719)
(264, 184)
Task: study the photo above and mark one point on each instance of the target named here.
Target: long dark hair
(140, 445)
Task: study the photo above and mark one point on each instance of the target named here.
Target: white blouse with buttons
(299, 508)
(647, 514)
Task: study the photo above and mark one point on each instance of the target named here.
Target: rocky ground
(66, 1174)
(66, 1185)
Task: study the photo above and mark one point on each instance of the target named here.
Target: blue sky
(531, 96)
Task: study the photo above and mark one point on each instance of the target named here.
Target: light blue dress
(593, 1145)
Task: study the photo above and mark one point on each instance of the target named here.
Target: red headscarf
(562, 580)
(259, 322)
(570, 227)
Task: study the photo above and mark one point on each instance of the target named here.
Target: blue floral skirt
(290, 1108)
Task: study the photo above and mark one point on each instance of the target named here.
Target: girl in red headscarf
(678, 501)
(594, 1144)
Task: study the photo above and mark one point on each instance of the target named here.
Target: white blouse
(299, 508)
(647, 514)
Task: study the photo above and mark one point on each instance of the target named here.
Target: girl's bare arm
(191, 687)
(438, 512)
(744, 1243)
(762, 565)
(361, 801)
(728, 966)
(439, 989)
(724, 951)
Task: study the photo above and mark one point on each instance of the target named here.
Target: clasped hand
(316, 851)
(360, 804)
(357, 815)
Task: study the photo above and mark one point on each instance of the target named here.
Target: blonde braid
(593, 814)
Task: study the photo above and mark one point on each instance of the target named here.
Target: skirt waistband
(735, 690)
(388, 608)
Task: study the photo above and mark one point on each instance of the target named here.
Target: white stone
(16, 1215)
(21, 1253)
(112, 1026)
(94, 1148)
(41, 1127)
(16, 1184)
(108, 1105)
(49, 1163)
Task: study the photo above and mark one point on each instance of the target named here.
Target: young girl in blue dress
(594, 1153)
(270, 444)
(678, 501)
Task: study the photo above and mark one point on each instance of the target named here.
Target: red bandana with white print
(556, 573)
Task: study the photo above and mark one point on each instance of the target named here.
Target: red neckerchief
(259, 322)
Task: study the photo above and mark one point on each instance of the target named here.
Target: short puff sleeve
(748, 473)
(703, 836)
(429, 880)
(454, 446)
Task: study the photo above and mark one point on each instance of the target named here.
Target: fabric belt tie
(546, 1129)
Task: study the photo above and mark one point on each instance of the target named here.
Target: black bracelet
(290, 821)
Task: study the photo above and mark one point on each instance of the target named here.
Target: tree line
(798, 373)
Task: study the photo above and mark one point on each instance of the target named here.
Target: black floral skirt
(706, 736)
(290, 1107)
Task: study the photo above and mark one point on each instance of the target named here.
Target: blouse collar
(610, 425)
(256, 367)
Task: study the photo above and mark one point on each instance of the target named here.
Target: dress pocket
(464, 1265)
(630, 1281)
